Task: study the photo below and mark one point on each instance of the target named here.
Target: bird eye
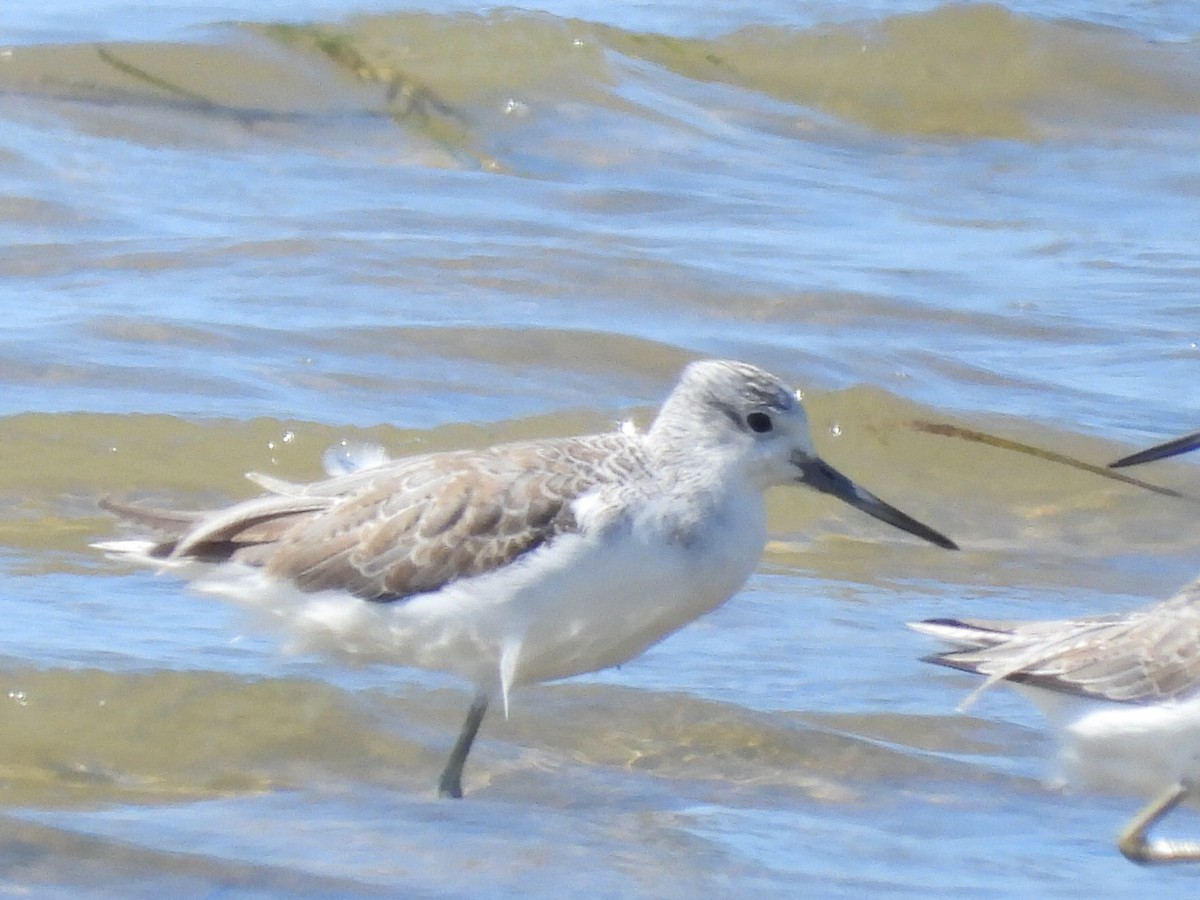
(760, 423)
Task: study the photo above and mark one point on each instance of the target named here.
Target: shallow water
(236, 235)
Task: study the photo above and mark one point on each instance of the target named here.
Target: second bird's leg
(1133, 840)
(450, 784)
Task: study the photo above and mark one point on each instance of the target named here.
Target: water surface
(236, 235)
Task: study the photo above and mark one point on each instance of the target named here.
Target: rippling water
(238, 234)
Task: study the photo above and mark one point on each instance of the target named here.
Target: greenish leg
(1136, 845)
(450, 784)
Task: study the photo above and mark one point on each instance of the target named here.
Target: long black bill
(819, 475)
(1159, 451)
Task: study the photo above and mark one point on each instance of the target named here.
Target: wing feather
(1149, 655)
(451, 517)
(405, 527)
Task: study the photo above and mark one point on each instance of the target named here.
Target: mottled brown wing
(1149, 655)
(407, 527)
(422, 523)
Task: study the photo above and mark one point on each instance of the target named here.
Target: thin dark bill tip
(821, 476)
(1159, 451)
(894, 517)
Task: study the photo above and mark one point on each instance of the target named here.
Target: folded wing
(404, 528)
(1149, 655)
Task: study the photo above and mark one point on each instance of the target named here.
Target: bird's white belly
(581, 604)
(623, 599)
(1132, 747)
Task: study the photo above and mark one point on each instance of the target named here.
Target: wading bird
(1122, 691)
(525, 562)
